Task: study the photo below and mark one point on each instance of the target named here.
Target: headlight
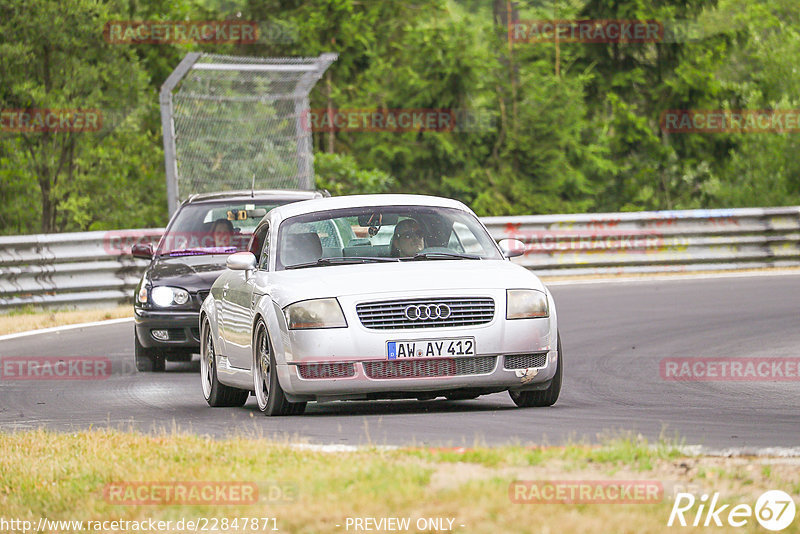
(526, 304)
(164, 296)
(317, 313)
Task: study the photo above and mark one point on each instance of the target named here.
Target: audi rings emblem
(427, 312)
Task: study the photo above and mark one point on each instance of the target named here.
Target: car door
(241, 303)
(220, 293)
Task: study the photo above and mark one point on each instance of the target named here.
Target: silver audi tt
(377, 296)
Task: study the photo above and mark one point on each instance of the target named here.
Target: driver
(222, 230)
(407, 239)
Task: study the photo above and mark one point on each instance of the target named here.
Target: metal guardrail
(656, 241)
(71, 269)
(95, 268)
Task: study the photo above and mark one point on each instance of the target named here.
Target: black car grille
(525, 361)
(426, 368)
(436, 312)
(326, 370)
(201, 295)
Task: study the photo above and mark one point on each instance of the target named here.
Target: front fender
(209, 310)
(278, 332)
(553, 327)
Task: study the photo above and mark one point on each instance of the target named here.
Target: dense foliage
(574, 127)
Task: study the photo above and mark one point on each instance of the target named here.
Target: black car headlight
(164, 296)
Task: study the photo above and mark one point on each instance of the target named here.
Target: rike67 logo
(774, 510)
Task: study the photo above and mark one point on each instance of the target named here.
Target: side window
(259, 246)
(466, 239)
(263, 260)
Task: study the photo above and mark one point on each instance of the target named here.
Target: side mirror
(512, 247)
(241, 261)
(141, 250)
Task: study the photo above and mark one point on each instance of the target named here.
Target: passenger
(407, 239)
(222, 230)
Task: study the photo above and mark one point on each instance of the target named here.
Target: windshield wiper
(341, 261)
(441, 256)
(200, 251)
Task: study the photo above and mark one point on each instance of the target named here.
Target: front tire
(269, 394)
(216, 393)
(545, 397)
(147, 360)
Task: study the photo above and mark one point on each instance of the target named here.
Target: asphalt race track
(614, 336)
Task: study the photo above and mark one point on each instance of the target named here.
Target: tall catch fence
(232, 123)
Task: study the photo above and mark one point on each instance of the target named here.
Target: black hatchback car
(200, 236)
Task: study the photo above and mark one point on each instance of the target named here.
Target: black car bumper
(181, 327)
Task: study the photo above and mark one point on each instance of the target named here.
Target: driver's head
(407, 239)
(222, 230)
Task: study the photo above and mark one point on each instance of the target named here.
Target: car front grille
(426, 368)
(313, 371)
(525, 361)
(426, 313)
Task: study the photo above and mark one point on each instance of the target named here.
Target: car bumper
(181, 327)
(362, 386)
(352, 363)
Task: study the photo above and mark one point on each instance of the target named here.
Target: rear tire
(147, 360)
(545, 397)
(269, 394)
(216, 393)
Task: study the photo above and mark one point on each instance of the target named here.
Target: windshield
(382, 233)
(213, 227)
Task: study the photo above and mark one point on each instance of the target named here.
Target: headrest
(302, 247)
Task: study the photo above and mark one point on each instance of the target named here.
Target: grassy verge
(63, 476)
(33, 319)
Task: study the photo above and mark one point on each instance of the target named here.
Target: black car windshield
(213, 227)
(402, 233)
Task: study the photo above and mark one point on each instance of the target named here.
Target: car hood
(386, 279)
(192, 273)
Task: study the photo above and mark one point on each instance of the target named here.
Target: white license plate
(431, 348)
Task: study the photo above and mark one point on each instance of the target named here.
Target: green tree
(53, 57)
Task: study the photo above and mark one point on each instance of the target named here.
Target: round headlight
(162, 296)
(179, 296)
